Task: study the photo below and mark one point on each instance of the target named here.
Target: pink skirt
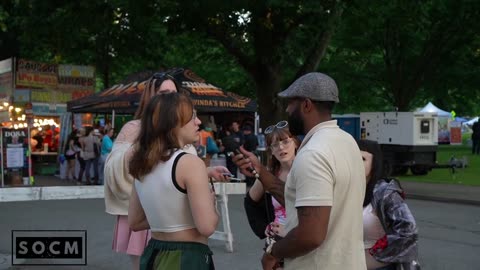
(127, 241)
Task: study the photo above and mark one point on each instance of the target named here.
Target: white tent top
(471, 121)
(432, 108)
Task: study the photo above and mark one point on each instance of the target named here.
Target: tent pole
(257, 123)
(113, 118)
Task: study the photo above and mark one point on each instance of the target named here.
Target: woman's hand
(219, 173)
(275, 229)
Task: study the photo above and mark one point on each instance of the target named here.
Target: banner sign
(6, 81)
(21, 95)
(75, 77)
(36, 74)
(455, 132)
(50, 96)
(205, 96)
(6, 66)
(48, 109)
(15, 145)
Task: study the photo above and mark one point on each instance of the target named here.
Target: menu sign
(15, 144)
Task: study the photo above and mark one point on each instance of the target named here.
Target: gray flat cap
(315, 86)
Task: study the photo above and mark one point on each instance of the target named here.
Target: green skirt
(163, 255)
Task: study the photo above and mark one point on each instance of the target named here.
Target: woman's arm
(256, 191)
(401, 232)
(192, 174)
(136, 216)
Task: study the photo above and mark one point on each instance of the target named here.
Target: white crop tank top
(165, 203)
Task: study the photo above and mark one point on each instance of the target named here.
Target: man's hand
(269, 262)
(217, 173)
(245, 161)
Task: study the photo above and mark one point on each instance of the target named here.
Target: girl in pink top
(266, 215)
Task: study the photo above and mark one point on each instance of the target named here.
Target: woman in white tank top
(171, 194)
(389, 230)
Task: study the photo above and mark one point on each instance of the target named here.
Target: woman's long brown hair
(151, 87)
(157, 140)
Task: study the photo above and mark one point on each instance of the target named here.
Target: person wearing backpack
(390, 233)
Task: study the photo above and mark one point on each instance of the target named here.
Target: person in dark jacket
(476, 138)
(390, 232)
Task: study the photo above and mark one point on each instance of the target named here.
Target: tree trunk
(270, 107)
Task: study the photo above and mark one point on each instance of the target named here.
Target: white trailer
(408, 139)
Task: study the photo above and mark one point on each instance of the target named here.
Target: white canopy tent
(471, 122)
(432, 108)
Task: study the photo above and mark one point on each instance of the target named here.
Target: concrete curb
(39, 193)
(442, 199)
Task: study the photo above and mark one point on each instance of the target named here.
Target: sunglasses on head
(162, 75)
(279, 125)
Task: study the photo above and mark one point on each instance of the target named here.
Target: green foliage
(405, 53)
(383, 54)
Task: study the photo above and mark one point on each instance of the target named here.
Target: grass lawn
(468, 176)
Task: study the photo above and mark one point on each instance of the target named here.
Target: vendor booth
(214, 106)
(33, 97)
(444, 119)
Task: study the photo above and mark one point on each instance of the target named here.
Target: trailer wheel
(419, 170)
(400, 170)
(387, 168)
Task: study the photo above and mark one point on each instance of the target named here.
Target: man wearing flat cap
(324, 191)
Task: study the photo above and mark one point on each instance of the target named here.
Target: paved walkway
(415, 190)
(442, 192)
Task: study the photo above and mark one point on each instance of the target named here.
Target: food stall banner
(21, 95)
(124, 98)
(36, 74)
(76, 81)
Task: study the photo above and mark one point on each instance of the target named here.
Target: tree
(407, 52)
(273, 41)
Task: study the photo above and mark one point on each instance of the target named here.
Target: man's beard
(295, 123)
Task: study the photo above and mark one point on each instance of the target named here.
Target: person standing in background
(476, 138)
(250, 139)
(90, 142)
(107, 144)
(233, 140)
(79, 142)
(70, 156)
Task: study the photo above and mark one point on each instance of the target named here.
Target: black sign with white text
(49, 247)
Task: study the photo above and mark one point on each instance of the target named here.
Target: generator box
(408, 139)
(399, 128)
